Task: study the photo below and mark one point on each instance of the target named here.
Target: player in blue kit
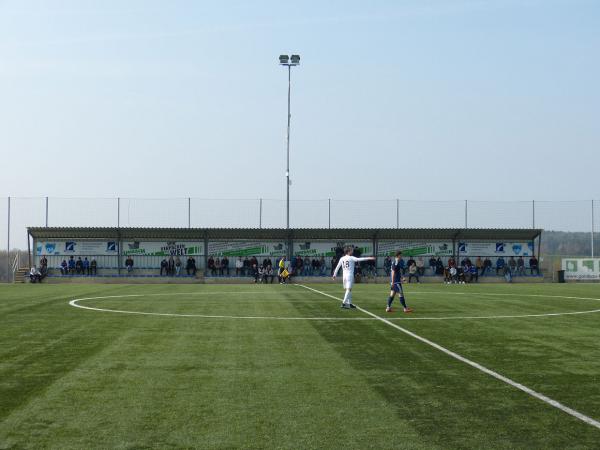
(396, 285)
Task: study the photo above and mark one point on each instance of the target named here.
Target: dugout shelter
(110, 247)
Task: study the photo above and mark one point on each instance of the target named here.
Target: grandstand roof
(439, 234)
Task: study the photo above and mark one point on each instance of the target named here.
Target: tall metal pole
(287, 170)
(118, 212)
(466, 214)
(329, 212)
(592, 228)
(260, 213)
(189, 212)
(8, 246)
(46, 212)
(397, 213)
(533, 213)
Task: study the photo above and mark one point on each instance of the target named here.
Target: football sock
(402, 301)
(346, 295)
(349, 297)
(390, 300)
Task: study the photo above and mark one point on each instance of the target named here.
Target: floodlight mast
(289, 62)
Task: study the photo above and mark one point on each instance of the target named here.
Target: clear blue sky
(444, 99)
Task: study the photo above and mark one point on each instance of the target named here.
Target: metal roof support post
(28, 248)
(206, 253)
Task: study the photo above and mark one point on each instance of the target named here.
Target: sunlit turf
(78, 378)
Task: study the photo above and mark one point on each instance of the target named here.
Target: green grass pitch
(297, 371)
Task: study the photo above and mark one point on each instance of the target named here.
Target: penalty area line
(471, 363)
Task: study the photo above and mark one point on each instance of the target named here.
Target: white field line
(477, 366)
(75, 304)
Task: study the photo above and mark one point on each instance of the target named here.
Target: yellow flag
(285, 273)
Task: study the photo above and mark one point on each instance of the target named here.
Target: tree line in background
(558, 243)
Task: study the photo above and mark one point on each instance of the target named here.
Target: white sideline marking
(490, 372)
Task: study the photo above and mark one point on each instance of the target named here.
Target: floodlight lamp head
(295, 59)
(284, 59)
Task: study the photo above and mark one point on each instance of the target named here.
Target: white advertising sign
(581, 268)
(163, 248)
(328, 248)
(245, 248)
(49, 248)
(495, 248)
(408, 248)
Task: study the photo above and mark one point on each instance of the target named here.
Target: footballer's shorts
(348, 282)
(397, 287)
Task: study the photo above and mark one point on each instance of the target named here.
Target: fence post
(466, 214)
(189, 212)
(260, 213)
(8, 246)
(397, 213)
(46, 212)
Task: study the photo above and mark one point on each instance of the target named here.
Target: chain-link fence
(17, 213)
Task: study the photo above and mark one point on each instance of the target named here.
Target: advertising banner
(246, 248)
(409, 248)
(329, 248)
(163, 248)
(49, 248)
(495, 248)
(581, 268)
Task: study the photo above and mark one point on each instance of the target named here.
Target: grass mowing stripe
(490, 372)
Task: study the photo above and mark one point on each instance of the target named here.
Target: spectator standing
(164, 266)
(177, 266)
(474, 273)
(218, 266)
(432, 265)
(211, 265)
(479, 265)
(190, 266)
(171, 266)
(487, 265)
(533, 265)
(402, 265)
(86, 266)
(420, 266)
(239, 266)
(520, 266)
(79, 266)
(247, 266)
(225, 265)
(322, 266)
(387, 265)
(255, 272)
(513, 265)
(93, 266)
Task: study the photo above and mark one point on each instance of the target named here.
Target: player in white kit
(347, 263)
